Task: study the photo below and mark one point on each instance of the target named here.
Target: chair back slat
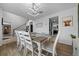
(17, 37)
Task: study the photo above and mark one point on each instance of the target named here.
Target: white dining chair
(28, 42)
(51, 48)
(55, 43)
(25, 39)
(32, 45)
(21, 39)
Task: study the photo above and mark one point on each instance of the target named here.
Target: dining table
(42, 41)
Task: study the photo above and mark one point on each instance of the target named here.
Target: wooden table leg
(39, 48)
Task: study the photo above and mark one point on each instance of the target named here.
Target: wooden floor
(10, 49)
(64, 49)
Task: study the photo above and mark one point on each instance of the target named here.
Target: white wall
(65, 31)
(0, 27)
(15, 20)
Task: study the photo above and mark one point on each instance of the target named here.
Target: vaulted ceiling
(47, 8)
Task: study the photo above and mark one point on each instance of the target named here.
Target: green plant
(73, 36)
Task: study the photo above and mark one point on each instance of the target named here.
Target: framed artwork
(39, 24)
(67, 21)
(6, 29)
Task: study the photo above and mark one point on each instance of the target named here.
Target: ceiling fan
(34, 10)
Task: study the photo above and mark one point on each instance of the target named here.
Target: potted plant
(74, 43)
(73, 36)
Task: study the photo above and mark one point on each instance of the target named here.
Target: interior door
(53, 25)
(31, 27)
(50, 26)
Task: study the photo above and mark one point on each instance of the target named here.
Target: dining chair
(55, 43)
(28, 42)
(47, 46)
(21, 39)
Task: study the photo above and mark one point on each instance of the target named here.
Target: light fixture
(34, 10)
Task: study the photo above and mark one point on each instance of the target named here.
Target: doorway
(31, 27)
(53, 25)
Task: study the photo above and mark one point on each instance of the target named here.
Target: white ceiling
(47, 8)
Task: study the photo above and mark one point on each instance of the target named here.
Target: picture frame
(39, 24)
(67, 21)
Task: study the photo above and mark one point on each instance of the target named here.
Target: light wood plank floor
(9, 50)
